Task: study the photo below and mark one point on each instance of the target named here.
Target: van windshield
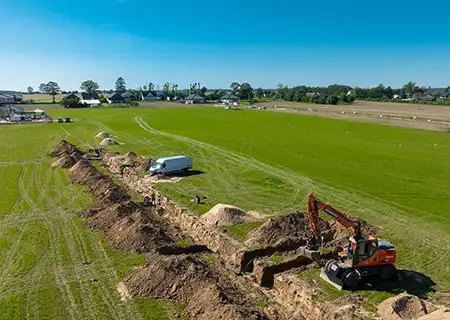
(156, 165)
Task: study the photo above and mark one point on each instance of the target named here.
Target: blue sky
(361, 43)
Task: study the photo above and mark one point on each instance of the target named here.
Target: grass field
(265, 161)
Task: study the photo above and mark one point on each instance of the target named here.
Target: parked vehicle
(171, 165)
(60, 120)
(67, 119)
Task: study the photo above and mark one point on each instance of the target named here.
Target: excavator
(365, 255)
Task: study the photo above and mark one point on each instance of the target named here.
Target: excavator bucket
(331, 279)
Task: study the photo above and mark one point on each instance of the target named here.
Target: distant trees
(333, 94)
(259, 93)
(42, 88)
(120, 85)
(170, 89)
(89, 86)
(194, 88)
(242, 90)
(51, 88)
(30, 90)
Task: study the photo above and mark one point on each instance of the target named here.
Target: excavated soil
(65, 148)
(108, 142)
(290, 231)
(340, 234)
(103, 135)
(226, 215)
(64, 161)
(404, 306)
(206, 293)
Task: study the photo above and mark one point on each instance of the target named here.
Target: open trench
(238, 284)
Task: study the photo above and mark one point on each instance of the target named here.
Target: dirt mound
(225, 215)
(104, 189)
(404, 306)
(129, 226)
(144, 166)
(108, 142)
(190, 280)
(103, 135)
(340, 234)
(65, 147)
(291, 228)
(64, 161)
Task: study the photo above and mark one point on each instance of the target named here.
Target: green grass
(277, 258)
(393, 177)
(51, 267)
(240, 231)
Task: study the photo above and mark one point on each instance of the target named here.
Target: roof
(171, 158)
(89, 96)
(229, 96)
(70, 95)
(91, 101)
(111, 95)
(383, 244)
(195, 96)
(312, 94)
(148, 94)
(159, 93)
(126, 95)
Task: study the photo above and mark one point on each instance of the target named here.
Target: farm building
(229, 98)
(90, 99)
(15, 96)
(149, 96)
(7, 111)
(312, 94)
(424, 98)
(115, 97)
(195, 98)
(127, 97)
(6, 98)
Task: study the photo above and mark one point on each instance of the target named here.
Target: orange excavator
(364, 255)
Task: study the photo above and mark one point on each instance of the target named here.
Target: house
(149, 96)
(115, 97)
(445, 96)
(397, 96)
(195, 98)
(6, 112)
(16, 96)
(230, 98)
(91, 100)
(127, 97)
(6, 98)
(312, 94)
(424, 98)
(160, 95)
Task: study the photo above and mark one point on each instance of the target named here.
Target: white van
(171, 165)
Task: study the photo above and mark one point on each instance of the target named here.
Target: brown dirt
(108, 142)
(103, 135)
(64, 161)
(207, 294)
(290, 228)
(144, 166)
(67, 148)
(340, 234)
(129, 226)
(225, 215)
(404, 306)
(104, 189)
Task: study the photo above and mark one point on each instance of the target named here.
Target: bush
(121, 105)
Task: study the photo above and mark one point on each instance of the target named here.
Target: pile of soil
(104, 189)
(144, 166)
(340, 234)
(225, 215)
(404, 306)
(103, 135)
(64, 161)
(288, 230)
(108, 142)
(129, 226)
(189, 280)
(67, 148)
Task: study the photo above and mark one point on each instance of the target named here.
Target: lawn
(50, 266)
(264, 161)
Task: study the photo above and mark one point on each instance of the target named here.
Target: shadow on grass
(188, 173)
(408, 281)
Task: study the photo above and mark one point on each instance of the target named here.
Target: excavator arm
(315, 205)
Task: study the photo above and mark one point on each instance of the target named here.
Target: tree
(235, 87)
(52, 88)
(203, 91)
(89, 86)
(409, 87)
(42, 88)
(259, 93)
(151, 87)
(332, 100)
(120, 85)
(245, 91)
(30, 90)
(71, 102)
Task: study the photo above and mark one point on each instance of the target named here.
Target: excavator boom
(315, 205)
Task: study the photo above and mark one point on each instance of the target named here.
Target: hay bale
(108, 142)
(103, 135)
(226, 215)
